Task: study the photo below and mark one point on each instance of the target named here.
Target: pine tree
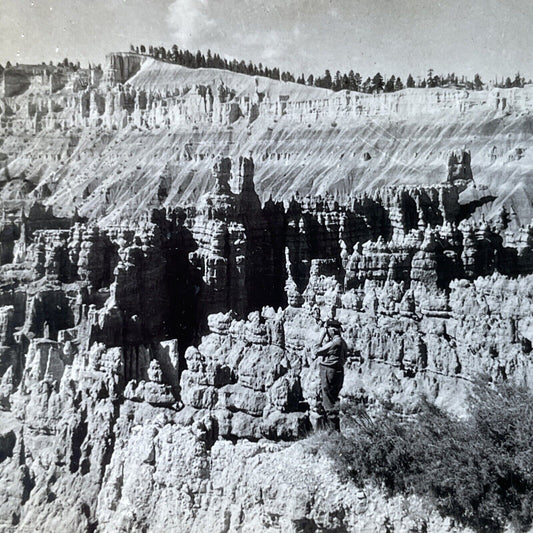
(398, 84)
(345, 83)
(517, 82)
(410, 82)
(429, 78)
(310, 80)
(337, 81)
(358, 81)
(389, 86)
(143, 49)
(200, 59)
(478, 84)
(326, 81)
(352, 84)
(377, 83)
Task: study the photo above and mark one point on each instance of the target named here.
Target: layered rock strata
(145, 367)
(117, 97)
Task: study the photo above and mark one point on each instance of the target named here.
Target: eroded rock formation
(136, 359)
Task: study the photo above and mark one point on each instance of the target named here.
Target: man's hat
(333, 323)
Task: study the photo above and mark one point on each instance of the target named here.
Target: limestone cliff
(105, 140)
(161, 374)
(171, 243)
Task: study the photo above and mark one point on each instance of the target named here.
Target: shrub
(477, 470)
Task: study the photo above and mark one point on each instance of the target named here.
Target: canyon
(171, 243)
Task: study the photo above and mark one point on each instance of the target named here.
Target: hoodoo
(173, 242)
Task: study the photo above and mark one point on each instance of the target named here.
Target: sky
(491, 37)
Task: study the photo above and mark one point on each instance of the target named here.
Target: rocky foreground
(157, 369)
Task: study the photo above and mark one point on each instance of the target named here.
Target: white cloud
(238, 28)
(192, 23)
(276, 32)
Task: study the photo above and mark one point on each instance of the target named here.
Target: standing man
(333, 353)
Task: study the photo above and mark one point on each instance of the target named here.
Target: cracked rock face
(161, 375)
(105, 141)
(157, 368)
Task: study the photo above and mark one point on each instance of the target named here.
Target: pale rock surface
(157, 368)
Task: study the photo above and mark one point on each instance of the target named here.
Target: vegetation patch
(478, 470)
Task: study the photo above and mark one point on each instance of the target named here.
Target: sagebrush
(477, 470)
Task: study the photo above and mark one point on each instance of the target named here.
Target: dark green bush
(477, 470)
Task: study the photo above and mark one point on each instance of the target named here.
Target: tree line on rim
(351, 81)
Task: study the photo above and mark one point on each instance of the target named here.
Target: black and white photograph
(266, 266)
